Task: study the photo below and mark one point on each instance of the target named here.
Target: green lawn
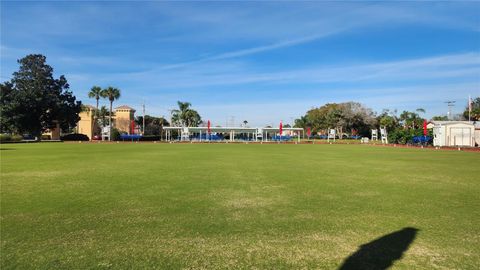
(223, 206)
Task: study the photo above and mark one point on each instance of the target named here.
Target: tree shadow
(382, 252)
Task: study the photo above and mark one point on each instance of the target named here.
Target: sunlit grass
(75, 206)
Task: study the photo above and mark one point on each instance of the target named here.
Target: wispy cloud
(215, 53)
(466, 65)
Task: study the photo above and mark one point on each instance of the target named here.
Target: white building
(477, 133)
(453, 133)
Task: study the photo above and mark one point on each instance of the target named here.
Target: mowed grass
(226, 206)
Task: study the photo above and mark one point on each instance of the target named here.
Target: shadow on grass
(5, 149)
(382, 252)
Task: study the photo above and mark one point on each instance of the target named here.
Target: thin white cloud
(466, 65)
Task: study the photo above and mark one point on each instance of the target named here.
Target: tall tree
(112, 94)
(96, 93)
(185, 115)
(301, 122)
(411, 119)
(440, 118)
(103, 115)
(346, 117)
(475, 114)
(388, 119)
(153, 125)
(7, 112)
(34, 101)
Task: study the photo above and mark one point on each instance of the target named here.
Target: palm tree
(301, 122)
(112, 94)
(96, 93)
(102, 115)
(185, 115)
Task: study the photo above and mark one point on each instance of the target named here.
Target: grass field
(223, 206)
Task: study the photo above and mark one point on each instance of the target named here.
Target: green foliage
(10, 138)
(103, 114)
(301, 122)
(5, 137)
(475, 114)
(402, 135)
(348, 117)
(75, 137)
(115, 134)
(389, 120)
(150, 138)
(411, 119)
(185, 115)
(96, 93)
(112, 94)
(153, 125)
(34, 101)
(440, 118)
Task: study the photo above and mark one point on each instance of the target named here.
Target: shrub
(16, 138)
(150, 138)
(115, 134)
(75, 137)
(5, 137)
(10, 138)
(403, 136)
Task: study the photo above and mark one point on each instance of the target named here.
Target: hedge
(10, 138)
(150, 138)
(75, 137)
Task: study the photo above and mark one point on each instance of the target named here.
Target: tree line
(33, 101)
(353, 118)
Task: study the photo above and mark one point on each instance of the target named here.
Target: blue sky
(257, 61)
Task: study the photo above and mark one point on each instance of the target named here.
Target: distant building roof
(451, 122)
(125, 107)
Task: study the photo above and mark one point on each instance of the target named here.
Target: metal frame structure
(375, 134)
(256, 134)
(384, 135)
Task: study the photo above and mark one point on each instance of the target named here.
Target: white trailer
(453, 133)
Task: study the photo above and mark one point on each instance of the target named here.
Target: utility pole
(450, 104)
(143, 128)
